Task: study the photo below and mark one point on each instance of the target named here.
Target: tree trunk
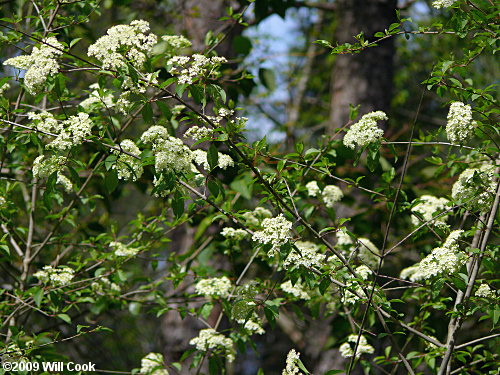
(364, 78)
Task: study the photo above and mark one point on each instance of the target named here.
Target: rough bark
(364, 78)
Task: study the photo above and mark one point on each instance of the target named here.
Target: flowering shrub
(297, 236)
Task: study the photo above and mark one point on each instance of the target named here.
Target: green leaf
(198, 94)
(213, 156)
(37, 294)
(178, 204)
(80, 328)
(267, 78)
(64, 317)
(111, 181)
(110, 161)
(242, 45)
(147, 113)
(217, 92)
(215, 366)
(213, 187)
(496, 315)
(243, 186)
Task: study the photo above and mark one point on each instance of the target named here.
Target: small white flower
(210, 339)
(252, 326)
(235, 234)
(276, 232)
(296, 290)
(438, 4)
(176, 41)
(291, 367)
(170, 153)
(312, 188)
(43, 168)
(427, 207)
(40, 64)
(446, 260)
(128, 167)
(4, 88)
(72, 132)
(55, 276)
(256, 216)
(122, 44)
(460, 126)
(365, 131)
(484, 291)
(307, 256)
(196, 132)
(353, 288)
(214, 287)
(475, 188)
(122, 250)
(152, 364)
(331, 194)
(347, 348)
(223, 161)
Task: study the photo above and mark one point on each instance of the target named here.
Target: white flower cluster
(460, 126)
(443, 260)
(475, 188)
(40, 64)
(55, 276)
(210, 339)
(95, 99)
(196, 132)
(225, 112)
(176, 42)
(122, 44)
(365, 131)
(296, 290)
(170, 153)
(43, 168)
(71, 132)
(234, 234)
(12, 353)
(122, 250)
(223, 161)
(65, 182)
(291, 367)
(438, 4)
(43, 121)
(3, 201)
(331, 195)
(128, 167)
(484, 291)
(214, 287)
(347, 348)
(191, 68)
(4, 88)
(252, 326)
(427, 207)
(256, 216)
(353, 287)
(307, 256)
(139, 87)
(312, 188)
(152, 364)
(276, 232)
(103, 284)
